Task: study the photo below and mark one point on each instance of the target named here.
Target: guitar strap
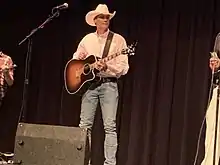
(107, 44)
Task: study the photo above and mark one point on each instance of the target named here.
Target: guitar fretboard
(108, 58)
(127, 51)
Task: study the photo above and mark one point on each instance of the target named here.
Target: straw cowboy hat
(100, 9)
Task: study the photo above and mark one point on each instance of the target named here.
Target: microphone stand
(55, 13)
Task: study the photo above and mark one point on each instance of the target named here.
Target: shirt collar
(104, 35)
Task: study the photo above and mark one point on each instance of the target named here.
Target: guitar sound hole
(87, 69)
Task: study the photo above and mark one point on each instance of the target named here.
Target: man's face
(102, 21)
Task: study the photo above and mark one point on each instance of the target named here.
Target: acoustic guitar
(78, 74)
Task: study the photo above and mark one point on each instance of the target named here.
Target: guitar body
(78, 75)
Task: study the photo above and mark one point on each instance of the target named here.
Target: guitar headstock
(130, 50)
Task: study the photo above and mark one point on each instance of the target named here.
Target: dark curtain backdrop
(163, 97)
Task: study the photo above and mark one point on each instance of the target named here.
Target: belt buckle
(104, 80)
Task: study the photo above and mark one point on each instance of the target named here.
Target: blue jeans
(107, 94)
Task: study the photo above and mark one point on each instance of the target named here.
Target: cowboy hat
(100, 9)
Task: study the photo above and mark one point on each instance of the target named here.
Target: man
(105, 90)
(6, 80)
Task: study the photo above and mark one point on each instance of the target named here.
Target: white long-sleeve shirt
(93, 44)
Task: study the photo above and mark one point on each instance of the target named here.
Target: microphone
(61, 7)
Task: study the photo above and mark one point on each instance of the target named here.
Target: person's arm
(81, 52)
(9, 73)
(121, 66)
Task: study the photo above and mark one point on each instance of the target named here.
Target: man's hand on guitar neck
(101, 66)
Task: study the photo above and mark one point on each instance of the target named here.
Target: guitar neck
(127, 51)
(108, 58)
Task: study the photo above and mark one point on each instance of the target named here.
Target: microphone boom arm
(22, 115)
(54, 14)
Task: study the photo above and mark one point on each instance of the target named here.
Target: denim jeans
(107, 94)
